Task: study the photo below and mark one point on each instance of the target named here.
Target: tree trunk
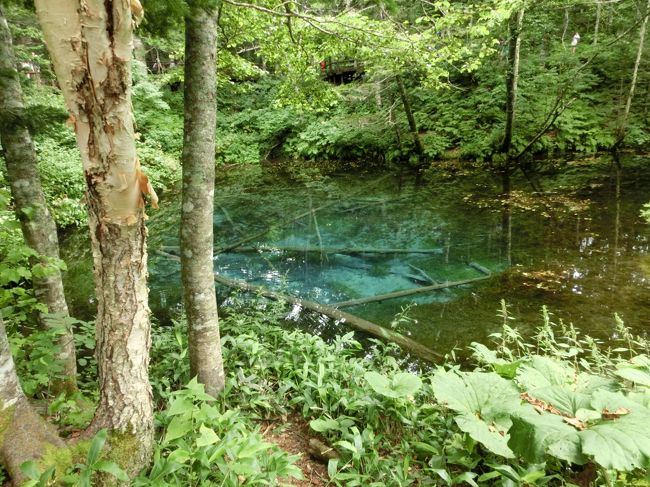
(628, 104)
(597, 23)
(419, 148)
(90, 47)
(197, 238)
(512, 77)
(37, 224)
(23, 433)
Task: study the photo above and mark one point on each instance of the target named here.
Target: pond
(581, 249)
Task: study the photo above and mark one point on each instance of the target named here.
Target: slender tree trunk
(197, 238)
(419, 148)
(37, 224)
(512, 78)
(565, 25)
(91, 47)
(597, 24)
(23, 433)
(628, 104)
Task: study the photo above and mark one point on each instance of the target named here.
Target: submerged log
(360, 324)
(406, 292)
(407, 344)
(424, 276)
(337, 250)
(324, 250)
(480, 268)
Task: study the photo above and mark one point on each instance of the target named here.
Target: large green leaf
(178, 427)
(562, 398)
(401, 385)
(492, 436)
(636, 370)
(534, 435)
(322, 425)
(622, 443)
(208, 436)
(543, 372)
(96, 446)
(484, 402)
(484, 394)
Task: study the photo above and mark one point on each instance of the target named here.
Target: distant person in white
(574, 41)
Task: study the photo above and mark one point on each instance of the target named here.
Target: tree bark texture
(23, 433)
(413, 128)
(512, 78)
(628, 103)
(37, 224)
(90, 44)
(197, 237)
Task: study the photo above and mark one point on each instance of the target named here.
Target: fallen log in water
(324, 250)
(424, 276)
(480, 268)
(336, 250)
(406, 292)
(355, 322)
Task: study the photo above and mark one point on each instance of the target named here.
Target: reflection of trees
(617, 218)
(506, 219)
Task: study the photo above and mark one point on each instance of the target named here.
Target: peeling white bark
(90, 43)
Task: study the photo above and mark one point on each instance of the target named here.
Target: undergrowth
(391, 427)
(558, 408)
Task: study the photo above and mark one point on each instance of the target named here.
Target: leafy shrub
(202, 445)
(62, 178)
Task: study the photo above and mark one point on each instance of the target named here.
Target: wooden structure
(341, 71)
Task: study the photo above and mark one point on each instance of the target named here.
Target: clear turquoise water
(582, 251)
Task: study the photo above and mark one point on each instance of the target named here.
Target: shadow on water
(581, 249)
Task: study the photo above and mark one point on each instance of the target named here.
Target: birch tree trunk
(628, 103)
(512, 78)
(197, 238)
(23, 433)
(90, 43)
(36, 222)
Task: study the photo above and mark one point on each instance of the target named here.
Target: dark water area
(581, 249)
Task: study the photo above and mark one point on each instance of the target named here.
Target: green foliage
(63, 183)
(35, 350)
(393, 428)
(401, 385)
(80, 474)
(483, 403)
(203, 446)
